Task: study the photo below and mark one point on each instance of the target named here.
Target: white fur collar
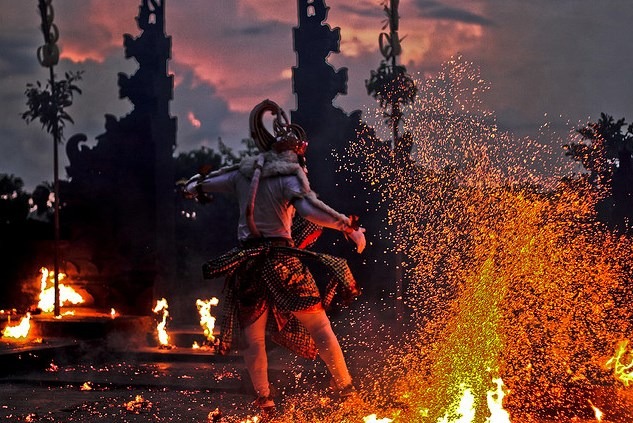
(275, 164)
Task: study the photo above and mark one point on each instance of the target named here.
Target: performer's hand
(190, 185)
(358, 237)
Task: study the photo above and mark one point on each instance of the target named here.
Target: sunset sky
(547, 61)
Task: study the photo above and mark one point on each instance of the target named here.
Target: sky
(555, 62)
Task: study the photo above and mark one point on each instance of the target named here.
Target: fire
(465, 409)
(495, 404)
(47, 294)
(372, 418)
(207, 321)
(138, 405)
(19, 331)
(622, 372)
(163, 336)
(597, 412)
(87, 386)
(112, 313)
(214, 415)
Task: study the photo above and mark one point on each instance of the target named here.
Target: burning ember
(112, 313)
(19, 331)
(207, 321)
(622, 371)
(138, 405)
(87, 386)
(161, 328)
(47, 294)
(214, 415)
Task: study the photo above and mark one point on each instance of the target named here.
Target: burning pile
(138, 405)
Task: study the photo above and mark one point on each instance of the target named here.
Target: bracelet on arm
(353, 225)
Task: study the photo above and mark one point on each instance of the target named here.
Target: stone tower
(316, 84)
(120, 196)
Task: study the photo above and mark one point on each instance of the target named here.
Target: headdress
(287, 136)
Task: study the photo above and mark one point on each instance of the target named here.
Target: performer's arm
(320, 217)
(216, 183)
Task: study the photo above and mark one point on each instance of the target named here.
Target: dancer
(269, 288)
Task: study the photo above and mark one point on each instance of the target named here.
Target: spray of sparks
(516, 292)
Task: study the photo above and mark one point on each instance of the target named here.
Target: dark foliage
(48, 103)
(605, 151)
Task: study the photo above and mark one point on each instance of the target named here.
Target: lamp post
(392, 87)
(48, 56)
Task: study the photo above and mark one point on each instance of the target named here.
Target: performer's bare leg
(329, 349)
(255, 356)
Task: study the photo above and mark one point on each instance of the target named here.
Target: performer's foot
(266, 406)
(347, 392)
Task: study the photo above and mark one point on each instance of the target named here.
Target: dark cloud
(363, 10)
(561, 58)
(199, 99)
(437, 10)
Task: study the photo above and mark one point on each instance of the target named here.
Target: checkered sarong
(270, 274)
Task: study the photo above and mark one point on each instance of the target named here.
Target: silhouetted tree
(390, 84)
(605, 151)
(48, 103)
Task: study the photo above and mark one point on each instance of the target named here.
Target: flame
(112, 313)
(494, 399)
(372, 418)
(621, 371)
(87, 386)
(47, 294)
(207, 321)
(195, 346)
(163, 336)
(465, 410)
(19, 331)
(214, 415)
(597, 412)
(138, 404)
